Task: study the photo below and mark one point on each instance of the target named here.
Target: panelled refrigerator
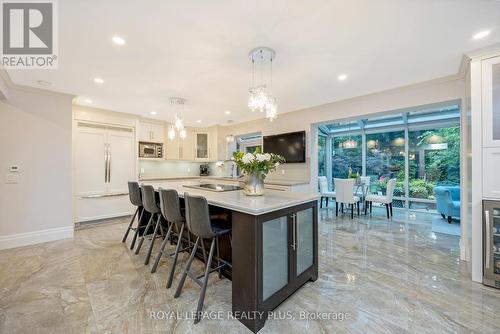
(491, 243)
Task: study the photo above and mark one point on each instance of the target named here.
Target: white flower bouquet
(256, 166)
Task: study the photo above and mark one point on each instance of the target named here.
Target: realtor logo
(29, 35)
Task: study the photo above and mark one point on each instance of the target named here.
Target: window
(385, 160)
(433, 159)
(346, 153)
(420, 148)
(321, 156)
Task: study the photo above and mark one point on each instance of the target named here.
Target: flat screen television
(292, 146)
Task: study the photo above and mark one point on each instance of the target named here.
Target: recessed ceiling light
(198, 121)
(153, 113)
(118, 40)
(342, 77)
(89, 101)
(481, 34)
(227, 112)
(98, 81)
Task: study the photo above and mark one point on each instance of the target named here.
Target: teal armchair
(448, 201)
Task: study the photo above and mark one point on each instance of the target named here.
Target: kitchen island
(274, 248)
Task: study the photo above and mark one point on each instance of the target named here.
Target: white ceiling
(198, 50)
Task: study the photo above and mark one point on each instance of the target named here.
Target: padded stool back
(148, 199)
(170, 205)
(198, 216)
(134, 193)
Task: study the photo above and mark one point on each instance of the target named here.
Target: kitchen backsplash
(159, 169)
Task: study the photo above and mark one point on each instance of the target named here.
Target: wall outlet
(189, 170)
(283, 172)
(12, 178)
(142, 170)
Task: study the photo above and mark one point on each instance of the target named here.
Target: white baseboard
(35, 237)
(101, 217)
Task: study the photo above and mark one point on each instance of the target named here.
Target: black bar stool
(134, 194)
(171, 210)
(199, 223)
(150, 205)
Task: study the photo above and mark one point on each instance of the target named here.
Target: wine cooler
(491, 243)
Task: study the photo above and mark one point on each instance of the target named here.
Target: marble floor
(376, 276)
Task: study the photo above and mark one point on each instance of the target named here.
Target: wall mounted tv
(292, 146)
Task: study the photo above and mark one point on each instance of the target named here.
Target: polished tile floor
(378, 276)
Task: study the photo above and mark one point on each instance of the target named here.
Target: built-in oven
(491, 243)
(150, 150)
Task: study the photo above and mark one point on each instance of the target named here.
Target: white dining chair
(386, 200)
(344, 190)
(324, 190)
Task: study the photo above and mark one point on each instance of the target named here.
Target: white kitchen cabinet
(104, 161)
(151, 132)
(491, 101)
(181, 149)
(491, 175)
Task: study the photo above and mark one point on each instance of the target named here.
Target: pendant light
(260, 96)
(177, 106)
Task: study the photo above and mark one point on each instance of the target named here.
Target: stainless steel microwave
(150, 150)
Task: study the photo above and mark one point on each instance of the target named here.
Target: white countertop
(272, 200)
(222, 178)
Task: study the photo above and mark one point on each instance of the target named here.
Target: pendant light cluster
(260, 93)
(177, 106)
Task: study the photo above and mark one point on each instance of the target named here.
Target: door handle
(488, 238)
(294, 237)
(109, 163)
(105, 163)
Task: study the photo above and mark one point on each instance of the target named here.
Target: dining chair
(344, 190)
(324, 191)
(386, 200)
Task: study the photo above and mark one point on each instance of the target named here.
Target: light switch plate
(12, 178)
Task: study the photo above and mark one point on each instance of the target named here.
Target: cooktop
(214, 187)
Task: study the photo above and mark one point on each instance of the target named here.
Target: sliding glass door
(433, 160)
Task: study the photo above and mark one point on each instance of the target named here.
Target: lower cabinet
(491, 177)
(273, 255)
(288, 244)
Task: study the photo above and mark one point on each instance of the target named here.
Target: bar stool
(171, 210)
(134, 194)
(199, 223)
(150, 205)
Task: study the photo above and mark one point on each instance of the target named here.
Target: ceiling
(199, 50)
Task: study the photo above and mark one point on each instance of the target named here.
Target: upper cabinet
(202, 146)
(181, 149)
(151, 132)
(491, 102)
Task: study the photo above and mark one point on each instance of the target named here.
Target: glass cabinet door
(304, 240)
(275, 255)
(496, 240)
(202, 146)
(491, 102)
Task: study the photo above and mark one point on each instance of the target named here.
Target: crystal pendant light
(260, 97)
(177, 105)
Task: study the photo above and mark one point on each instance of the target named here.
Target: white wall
(35, 134)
